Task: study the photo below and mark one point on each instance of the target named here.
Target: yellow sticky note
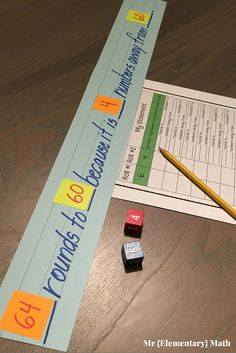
(107, 104)
(27, 314)
(138, 16)
(74, 194)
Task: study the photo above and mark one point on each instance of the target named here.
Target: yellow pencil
(198, 182)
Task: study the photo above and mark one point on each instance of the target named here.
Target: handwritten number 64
(78, 191)
(28, 321)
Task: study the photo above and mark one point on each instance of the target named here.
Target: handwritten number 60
(139, 16)
(78, 191)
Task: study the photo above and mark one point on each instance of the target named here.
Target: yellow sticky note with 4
(74, 194)
(138, 16)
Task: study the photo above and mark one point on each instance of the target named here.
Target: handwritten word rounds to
(74, 194)
(27, 314)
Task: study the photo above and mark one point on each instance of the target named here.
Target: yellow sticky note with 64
(27, 314)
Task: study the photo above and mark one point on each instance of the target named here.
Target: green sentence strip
(42, 290)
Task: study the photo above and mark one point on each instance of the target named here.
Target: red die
(134, 222)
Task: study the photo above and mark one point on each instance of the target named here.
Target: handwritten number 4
(29, 321)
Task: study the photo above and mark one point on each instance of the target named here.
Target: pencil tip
(160, 149)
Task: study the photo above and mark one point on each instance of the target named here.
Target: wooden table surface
(187, 288)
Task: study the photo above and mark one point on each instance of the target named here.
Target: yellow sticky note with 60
(138, 16)
(74, 194)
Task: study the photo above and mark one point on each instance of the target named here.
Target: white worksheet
(199, 129)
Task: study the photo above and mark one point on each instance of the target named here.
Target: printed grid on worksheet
(199, 134)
